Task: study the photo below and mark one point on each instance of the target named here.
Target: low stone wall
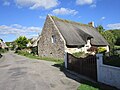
(107, 74)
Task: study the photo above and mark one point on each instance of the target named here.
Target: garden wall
(107, 74)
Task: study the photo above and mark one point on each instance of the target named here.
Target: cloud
(84, 2)
(65, 11)
(6, 3)
(19, 30)
(93, 5)
(102, 18)
(36, 4)
(114, 26)
(42, 17)
(79, 16)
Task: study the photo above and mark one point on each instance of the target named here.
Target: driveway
(21, 73)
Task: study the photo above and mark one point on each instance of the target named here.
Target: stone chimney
(91, 24)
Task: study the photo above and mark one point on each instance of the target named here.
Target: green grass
(29, 55)
(3, 50)
(88, 86)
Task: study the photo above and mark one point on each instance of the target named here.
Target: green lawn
(87, 85)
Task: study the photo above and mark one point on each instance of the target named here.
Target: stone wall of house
(46, 45)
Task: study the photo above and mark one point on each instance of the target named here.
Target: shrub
(101, 50)
(24, 53)
(79, 54)
(113, 60)
(3, 50)
(34, 50)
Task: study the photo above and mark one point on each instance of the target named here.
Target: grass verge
(88, 86)
(29, 55)
(3, 50)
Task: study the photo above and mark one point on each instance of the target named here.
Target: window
(53, 39)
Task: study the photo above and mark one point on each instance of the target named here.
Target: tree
(100, 29)
(8, 44)
(118, 42)
(22, 42)
(109, 37)
(106, 34)
(1, 40)
(116, 33)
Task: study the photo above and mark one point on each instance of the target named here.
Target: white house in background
(3, 44)
(35, 43)
(29, 44)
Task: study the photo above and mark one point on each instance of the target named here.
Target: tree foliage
(100, 29)
(112, 37)
(22, 42)
(109, 37)
(1, 39)
(106, 34)
(116, 33)
(8, 43)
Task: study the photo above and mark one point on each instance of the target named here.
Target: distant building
(35, 43)
(3, 44)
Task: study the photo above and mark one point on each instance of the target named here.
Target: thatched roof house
(59, 36)
(77, 34)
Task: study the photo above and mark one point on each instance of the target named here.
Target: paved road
(20, 73)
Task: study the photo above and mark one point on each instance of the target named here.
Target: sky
(27, 17)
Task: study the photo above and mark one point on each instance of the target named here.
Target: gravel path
(20, 73)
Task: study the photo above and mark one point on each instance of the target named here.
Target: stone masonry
(45, 45)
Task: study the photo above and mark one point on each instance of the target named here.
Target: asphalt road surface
(21, 73)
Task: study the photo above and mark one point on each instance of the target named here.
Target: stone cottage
(59, 36)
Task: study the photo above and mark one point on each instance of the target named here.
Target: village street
(21, 73)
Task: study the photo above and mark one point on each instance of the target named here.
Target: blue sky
(27, 17)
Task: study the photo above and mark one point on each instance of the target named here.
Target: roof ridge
(69, 21)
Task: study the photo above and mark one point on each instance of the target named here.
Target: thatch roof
(77, 34)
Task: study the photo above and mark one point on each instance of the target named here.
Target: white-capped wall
(107, 74)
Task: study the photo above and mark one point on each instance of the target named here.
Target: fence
(84, 66)
(93, 67)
